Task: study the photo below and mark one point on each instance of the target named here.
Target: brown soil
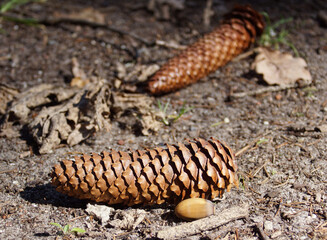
(283, 177)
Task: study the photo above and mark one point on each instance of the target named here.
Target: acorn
(194, 208)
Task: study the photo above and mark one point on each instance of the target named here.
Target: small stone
(268, 226)
(226, 120)
(318, 197)
(121, 142)
(278, 97)
(15, 182)
(276, 234)
(322, 128)
(273, 193)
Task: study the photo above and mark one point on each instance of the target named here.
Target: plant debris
(56, 115)
(7, 94)
(136, 111)
(101, 212)
(87, 14)
(281, 68)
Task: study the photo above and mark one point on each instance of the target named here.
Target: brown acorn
(235, 34)
(202, 169)
(194, 208)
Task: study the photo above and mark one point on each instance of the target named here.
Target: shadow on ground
(47, 194)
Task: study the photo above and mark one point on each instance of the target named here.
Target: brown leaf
(58, 114)
(136, 110)
(7, 94)
(281, 68)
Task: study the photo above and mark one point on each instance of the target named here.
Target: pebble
(318, 197)
(268, 226)
(276, 234)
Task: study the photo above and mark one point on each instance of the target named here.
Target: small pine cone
(234, 35)
(197, 169)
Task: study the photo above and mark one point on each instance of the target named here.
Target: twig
(244, 55)
(8, 170)
(282, 184)
(254, 191)
(258, 169)
(260, 91)
(204, 224)
(170, 45)
(207, 13)
(261, 233)
(279, 205)
(239, 152)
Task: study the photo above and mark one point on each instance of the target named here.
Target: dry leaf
(136, 111)
(128, 219)
(130, 72)
(281, 68)
(55, 114)
(7, 94)
(147, 71)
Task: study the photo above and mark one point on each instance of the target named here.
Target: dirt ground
(282, 171)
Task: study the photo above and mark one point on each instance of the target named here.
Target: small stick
(282, 184)
(262, 234)
(207, 13)
(258, 169)
(260, 91)
(204, 224)
(170, 45)
(254, 191)
(280, 204)
(244, 55)
(238, 153)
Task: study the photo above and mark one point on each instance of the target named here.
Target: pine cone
(197, 169)
(234, 35)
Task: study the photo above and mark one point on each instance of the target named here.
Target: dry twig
(261, 233)
(260, 91)
(204, 224)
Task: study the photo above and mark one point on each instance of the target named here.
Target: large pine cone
(234, 35)
(197, 169)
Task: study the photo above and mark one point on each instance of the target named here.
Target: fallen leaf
(128, 219)
(147, 71)
(281, 68)
(7, 94)
(56, 114)
(136, 111)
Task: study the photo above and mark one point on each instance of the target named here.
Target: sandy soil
(282, 173)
